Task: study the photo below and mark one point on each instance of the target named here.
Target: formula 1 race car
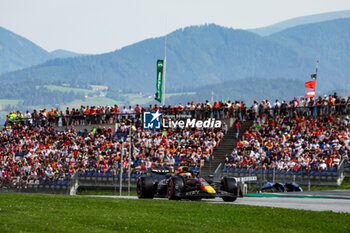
(185, 184)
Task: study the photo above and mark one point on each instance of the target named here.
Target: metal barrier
(60, 186)
(218, 171)
(340, 172)
(217, 113)
(306, 177)
(75, 184)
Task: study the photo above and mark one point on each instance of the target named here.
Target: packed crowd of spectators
(302, 134)
(30, 152)
(328, 105)
(87, 115)
(295, 140)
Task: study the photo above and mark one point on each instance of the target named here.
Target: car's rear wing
(246, 179)
(161, 171)
(242, 187)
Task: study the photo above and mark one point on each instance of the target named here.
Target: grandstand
(57, 151)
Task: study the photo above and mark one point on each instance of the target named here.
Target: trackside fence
(61, 119)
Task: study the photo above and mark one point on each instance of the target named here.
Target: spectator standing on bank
(237, 125)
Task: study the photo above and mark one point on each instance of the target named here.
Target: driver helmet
(187, 175)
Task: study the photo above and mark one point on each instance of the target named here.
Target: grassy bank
(104, 191)
(56, 213)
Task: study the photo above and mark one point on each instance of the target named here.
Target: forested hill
(316, 18)
(209, 54)
(61, 53)
(327, 41)
(17, 52)
(247, 89)
(196, 56)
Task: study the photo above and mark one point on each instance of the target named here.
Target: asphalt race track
(331, 203)
(315, 204)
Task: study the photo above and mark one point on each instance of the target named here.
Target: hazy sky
(97, 26)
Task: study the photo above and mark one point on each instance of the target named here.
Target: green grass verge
(58, 213)
(103, 191)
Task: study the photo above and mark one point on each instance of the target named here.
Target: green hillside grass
(56, 213)
(180, 93)
(134, 99)
(68, 89)
(8, 102)
(247, 89)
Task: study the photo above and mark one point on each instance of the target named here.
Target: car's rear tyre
(145, 187)
(229, 185)
(175, 187)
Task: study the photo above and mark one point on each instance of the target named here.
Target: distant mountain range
(17, 52)
(266, 31)
(202, 55)
(231, 63)
(196, 56)
(327, 41)
(61, 53)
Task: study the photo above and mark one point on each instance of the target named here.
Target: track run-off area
(336, 201)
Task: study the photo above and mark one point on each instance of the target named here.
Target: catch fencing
(330, 176)
(79, 118)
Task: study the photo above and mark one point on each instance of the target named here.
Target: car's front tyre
(175, 187)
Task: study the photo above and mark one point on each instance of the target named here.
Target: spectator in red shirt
(237, 126)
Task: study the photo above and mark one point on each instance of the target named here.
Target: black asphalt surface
(334, 202)
(336, 193)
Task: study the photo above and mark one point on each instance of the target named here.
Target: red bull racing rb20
(185, 184)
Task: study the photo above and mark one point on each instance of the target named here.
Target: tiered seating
(297, 143)
(29, 153)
